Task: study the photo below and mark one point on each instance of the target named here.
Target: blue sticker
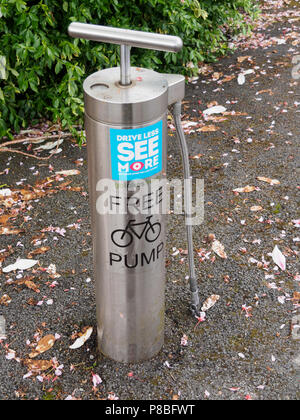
(136, 153)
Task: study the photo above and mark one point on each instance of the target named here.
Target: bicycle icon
(124, 237)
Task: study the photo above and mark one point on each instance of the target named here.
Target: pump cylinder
(126, 130)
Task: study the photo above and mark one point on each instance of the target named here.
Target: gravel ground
(238, 352)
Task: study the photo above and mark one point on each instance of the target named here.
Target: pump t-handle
(126, 38)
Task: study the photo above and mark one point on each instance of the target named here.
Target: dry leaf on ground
(208, 129)
(227, 79)
(296, 297)
(82, 339)
(5, 217)
(5, 300)
(21, 264)
(246, 189)
(68, 172)
(211, 104)
(210, 302)
(45, 344)
(241, 79)
(243, 58)
(10, 230)
(36, 366)
(256, 208)
(268, 180)
(31, 285)
(214, 110)
(39, 251)
(219, 249)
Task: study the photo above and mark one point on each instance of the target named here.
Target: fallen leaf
(50, 145)
(243, 58)
(45, 344)
(241, 79)
(68, 172)
(296, 297)
(250, 71)
(268, 180)
(21, 264)
(37, 366)
(219, 249)
(216, 75)
(211, 104)
(256, 208)
(31, 301)
(246, 189)
(216, 119)
(5, 300)
(39, 251)
(10, 230)
(31, 285)
(82, 339)
(197, 156)
(5, 192)
(265, 91)
(210, 302)
(208, 128)
(227, 79)
(214, 110)
(5, 217)
(235, 113)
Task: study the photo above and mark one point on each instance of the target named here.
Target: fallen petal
(278, 258)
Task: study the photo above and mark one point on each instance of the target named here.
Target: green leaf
(34, 85)
(14, 72)
(58, 67)
(198, 11)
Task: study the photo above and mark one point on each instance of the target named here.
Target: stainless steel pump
(126, 129)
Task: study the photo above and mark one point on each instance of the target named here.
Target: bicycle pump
(126, 129)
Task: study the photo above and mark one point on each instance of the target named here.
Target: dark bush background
(42, 68)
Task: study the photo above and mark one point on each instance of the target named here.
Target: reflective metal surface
(144, 100)
(125, 79)
(125, 37)
(126, 129)
(129, 270)
(129, 249)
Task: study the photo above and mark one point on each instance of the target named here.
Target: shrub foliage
(42, 68)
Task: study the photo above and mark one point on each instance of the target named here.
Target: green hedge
(42, 68)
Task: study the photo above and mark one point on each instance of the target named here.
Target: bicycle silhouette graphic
(124, 237)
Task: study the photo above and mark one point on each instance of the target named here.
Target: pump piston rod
(126, 38)
(125, 66)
